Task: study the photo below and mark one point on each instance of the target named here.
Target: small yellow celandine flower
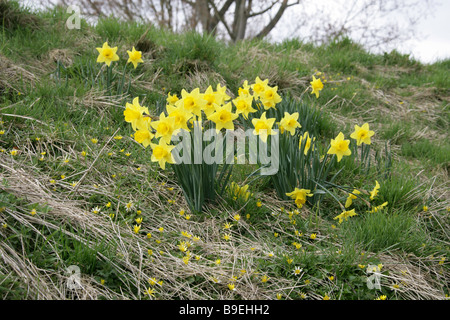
(162, 153)
(259, 203)
(425, 208)
(33, 212)
(362, 134)
(150, 292)
(265, 278)
(217, 262)
(94, 140)
(136, 229)
(231, 286)
(326, 297)
(289, 123)
(226, 237)
(102, 282)
(316, 86)
(313, 236)
(279, 296)
(13, 152)
(237, 217)
(339, 147)
(138, 220)
(5, 225)
(2, 132)
(134, 57)
(263, 127)
(107, 54)
(374, 192)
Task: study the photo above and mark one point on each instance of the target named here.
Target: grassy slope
(42, 110)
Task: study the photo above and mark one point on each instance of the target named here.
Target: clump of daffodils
(237, 192)
(196, 109)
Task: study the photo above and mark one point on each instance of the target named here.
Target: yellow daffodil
(270, 97)
(374, 192)
(137, 115)
(221, 94)
(244, 91)
(362, 134)
(299, 195)
(289, 123)
(107, 54)
(263, 127)
(223, 117)
(162, 153)
(164, 127)
(306, 140)
(345, 215)
(339, 147)
(181, 117)
(351, 196)
(316, 85)
(172, 99)
(192, 102)
(135, 57)
(144, 137)
(259, 86)
(212, 101)
(243, 105)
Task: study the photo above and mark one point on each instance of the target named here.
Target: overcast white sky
(436, 30)
(432, 42)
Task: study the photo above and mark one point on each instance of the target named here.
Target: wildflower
(108, 205)
(149, 235)
(345, 215)
(138, 220)
(425, 208)
(136, 228)
(129, 206)
(374, 192)
(313, 236)
(150, 292)
(331, 278)
(362, 134)
(275, 234)
(83, 153)
(102, 282)
(289, 123)
(306, 140)
(362, 266)
(33, 212)
(161, 229)
(307, 282)
(351, 196)
(96, 210)
(297, 271)
(264, 279)
(316, 85)
(107, 54)
(13, 152)
(339, 147)
(2, 132)
(263, 126)
(94, 140)
(231, 286)
(382, 297)
(237, 217)
(289, 260)
(217, 262)
(258, 203)
(223, 117)
(326, 297)
(227, 225)
(118, 137)
(5, 225)
(135, 57)
(162, 153)
(226, 237)
(279, 296)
